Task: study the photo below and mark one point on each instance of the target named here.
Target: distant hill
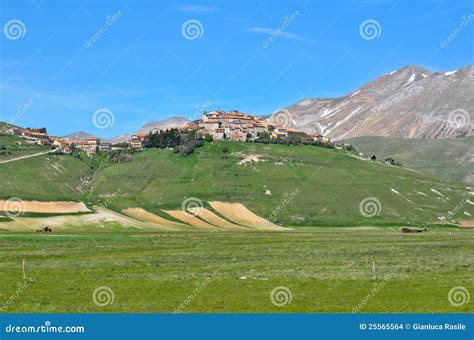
(81, 135)
(164, 124)
(168, 123)
(447, 159)
(411, 102)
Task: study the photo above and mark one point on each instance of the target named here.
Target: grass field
(324, 269)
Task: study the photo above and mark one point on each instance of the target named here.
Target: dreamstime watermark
(192, 205)
(281, 296)
(201, 108)
(22, 286)
(288, 198)
(14, 207)
(14, 29)
(112, 197)
(103, 118)
(458, 296)
(287, 21)
(370, 207)
(192, 29)
(21, 110)
(193, 295)
(103, 296)
(109, 21)
(283, 118)
(377, 287)
(458, 119)
(465, 20)
(47, 328)
(370, 29)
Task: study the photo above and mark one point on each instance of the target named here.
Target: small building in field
(389, 161)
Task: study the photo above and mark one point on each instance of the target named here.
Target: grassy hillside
(12, 147)
(447, 159)
(302, 185)
(291, 185)
(46, 177)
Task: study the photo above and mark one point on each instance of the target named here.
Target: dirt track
(27, 156)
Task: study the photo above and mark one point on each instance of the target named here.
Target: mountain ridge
(410, 102)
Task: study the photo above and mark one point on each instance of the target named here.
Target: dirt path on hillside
(240, 214)
(44, 207)
(27, 156)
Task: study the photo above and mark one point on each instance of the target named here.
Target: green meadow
(321, 270)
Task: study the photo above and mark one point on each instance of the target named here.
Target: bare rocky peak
(411, 102)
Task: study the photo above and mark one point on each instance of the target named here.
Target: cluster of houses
(221, 125)
(238, 126)
(64, 145)
(233, 126)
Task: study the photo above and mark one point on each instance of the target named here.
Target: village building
(105, 146)
(136, 141)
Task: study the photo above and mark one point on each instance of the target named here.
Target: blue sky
(142, 67)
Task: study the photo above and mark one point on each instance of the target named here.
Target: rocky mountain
(164, 124)
(411, 102)
(81, 135)
(168, 123)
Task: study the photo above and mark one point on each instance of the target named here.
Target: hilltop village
(214, 125)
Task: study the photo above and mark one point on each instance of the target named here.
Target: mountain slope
(168, 123)
(164, 124)
(80, 135)
(411, 102)
(446, 159)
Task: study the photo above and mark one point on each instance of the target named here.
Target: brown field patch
(189, 219)
(48, 207)
(78, 222)
(146, 216)
(240, 214)
(212, 218)
(467, 223)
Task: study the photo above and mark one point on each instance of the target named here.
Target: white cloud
(196, 8)
(270, 31)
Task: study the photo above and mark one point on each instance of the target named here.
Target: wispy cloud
(196, 8)
(270, 31)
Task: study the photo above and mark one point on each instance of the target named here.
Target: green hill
(298, 185)
(292, 185)
(447, 159)
(46, 177)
